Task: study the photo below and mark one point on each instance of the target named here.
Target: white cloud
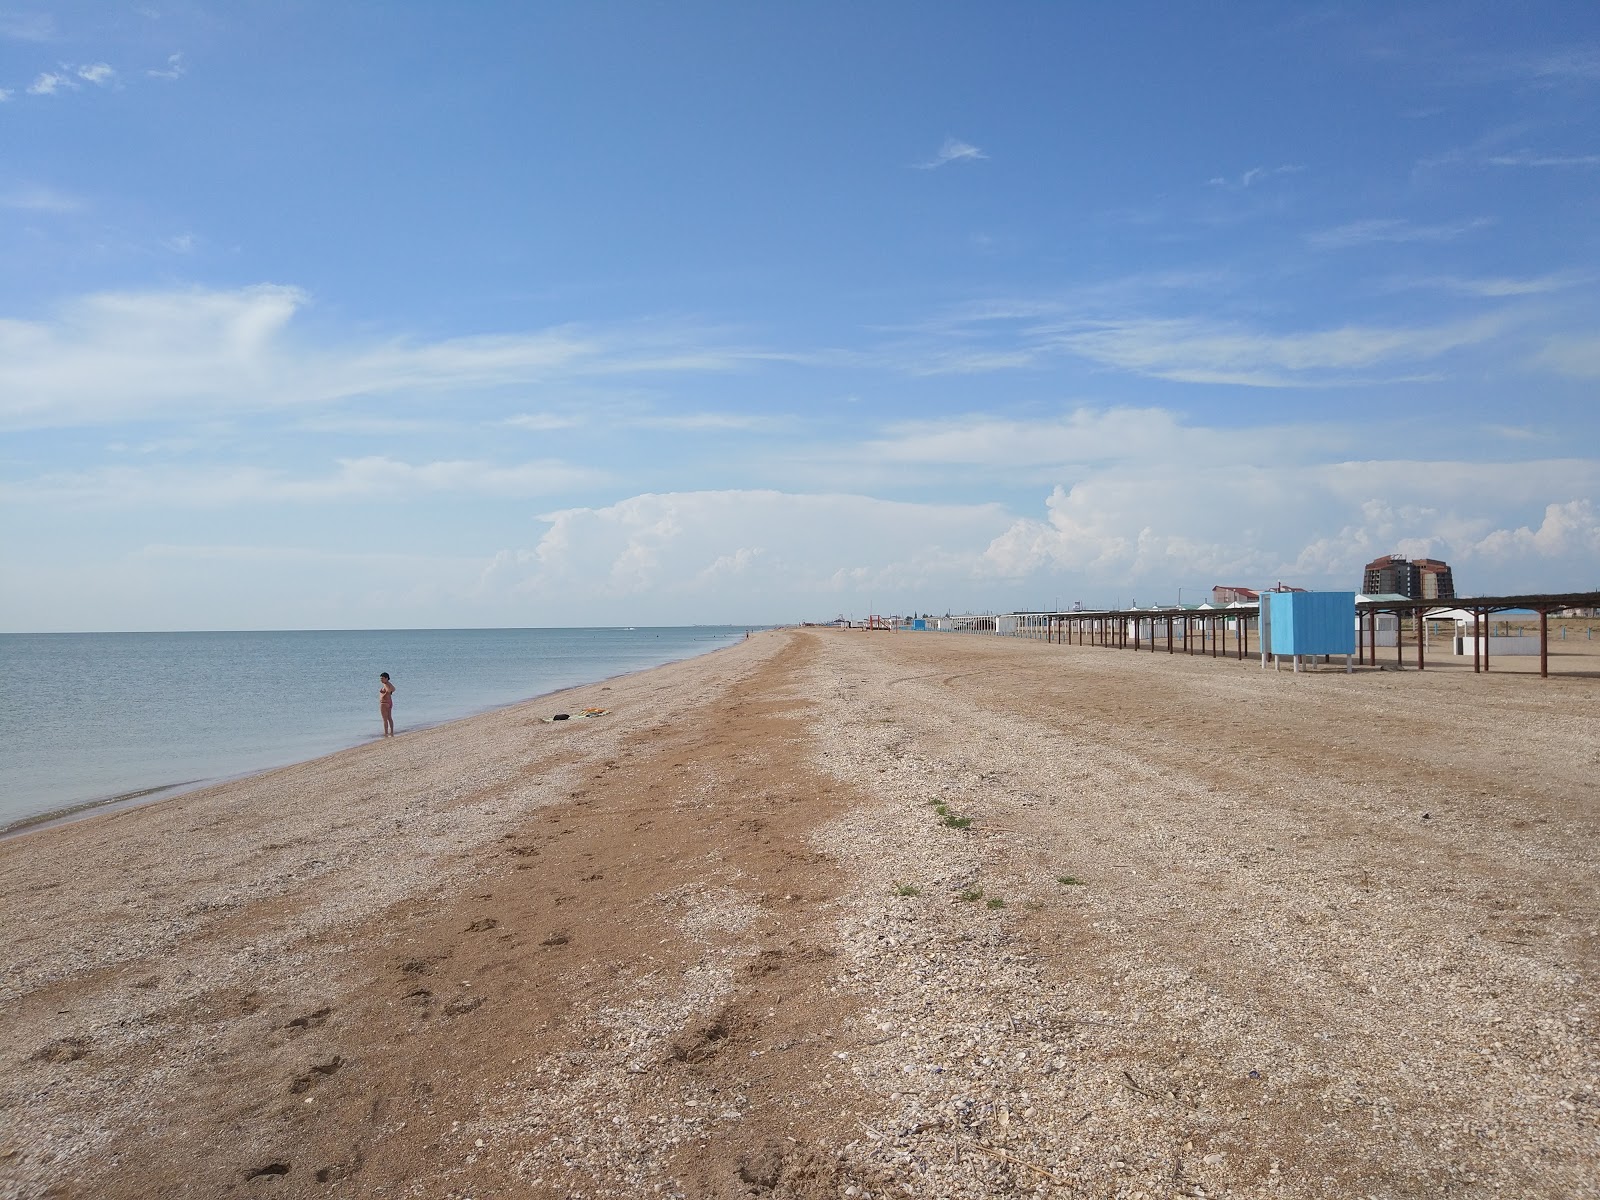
(50, 82)
(1577, 355)
(1199, 351)
(1386, 230)
(5, 94)
(1529, 159)
(542, 422)
(133, 356)
(369, 477)
(711, 422)
(1254, 176)
(952, 151)
(1575, 63)
(182, 243)
(813, 549)
(100, 74)
(27, 27)
(1492, 287)
(1310, 524)
(1567, 530)
(1089, 438)
(175, 68)
(42, 199)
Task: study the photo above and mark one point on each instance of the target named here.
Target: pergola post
(1544, 643)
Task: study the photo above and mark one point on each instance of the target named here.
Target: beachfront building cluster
(1415, 579)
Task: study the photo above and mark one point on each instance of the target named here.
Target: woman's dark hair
(383, 674)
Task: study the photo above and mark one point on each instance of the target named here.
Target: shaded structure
(1221, 632)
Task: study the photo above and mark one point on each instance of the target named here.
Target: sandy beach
(833, 913)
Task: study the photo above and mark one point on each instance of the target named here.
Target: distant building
(1435, 578)
(1415, 579)
(1222, 594)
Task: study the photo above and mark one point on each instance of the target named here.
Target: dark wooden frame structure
(1208, 627)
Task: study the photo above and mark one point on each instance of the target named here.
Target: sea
(93, 719)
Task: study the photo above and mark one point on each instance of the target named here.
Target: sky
(402, 315)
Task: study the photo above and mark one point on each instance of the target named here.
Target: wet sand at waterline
(835, 913)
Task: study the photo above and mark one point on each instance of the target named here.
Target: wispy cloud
(133, 356)
(1253, 176)
(42, 199)
(1201, 351)
(542, 422)
(952, 151)
(27, 27)
(1391, 229)
(1577, 355)
(1527, 158)
(1570, 64)
(174, 69)
(1013, 336)
(100, 74)
(711, 422)
(369, 477)
(1494, 287)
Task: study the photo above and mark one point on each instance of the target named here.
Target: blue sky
(399, 315)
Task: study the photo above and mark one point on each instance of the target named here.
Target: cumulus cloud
(1567, 530)
(824, 548)
(48, 83)
(953, 150)
(69, 77)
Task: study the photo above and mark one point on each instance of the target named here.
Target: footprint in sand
(63, 1050)
(321, 1070)
(310, 1021)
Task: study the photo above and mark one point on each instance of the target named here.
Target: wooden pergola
(1205, 630)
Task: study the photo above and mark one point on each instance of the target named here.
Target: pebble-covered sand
(839, 913)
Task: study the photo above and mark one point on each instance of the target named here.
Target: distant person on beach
(386, 703)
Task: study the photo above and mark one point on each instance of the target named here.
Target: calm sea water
(86, 717)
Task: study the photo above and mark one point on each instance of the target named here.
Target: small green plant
(956, 822)
(942, 809)
(971, 894)
(907, 889)
(1069, 881)
(995, 902)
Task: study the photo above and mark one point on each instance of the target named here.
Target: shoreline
(74, 810)
(976, 916)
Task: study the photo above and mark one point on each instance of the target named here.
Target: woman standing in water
(386, 703)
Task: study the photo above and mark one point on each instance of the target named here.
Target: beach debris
(588, 712)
